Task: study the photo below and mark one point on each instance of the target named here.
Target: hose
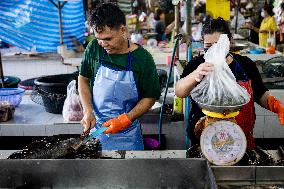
(177, 39)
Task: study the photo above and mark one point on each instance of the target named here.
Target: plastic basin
(12, 95)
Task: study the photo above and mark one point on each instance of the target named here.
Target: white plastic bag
(72, 108)
(219, 87)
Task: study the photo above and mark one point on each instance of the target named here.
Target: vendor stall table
(31, 119)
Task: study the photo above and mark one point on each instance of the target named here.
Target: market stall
(46, 151)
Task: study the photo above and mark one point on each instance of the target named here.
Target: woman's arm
(263, 100)
(270, 103)
(185, 85)
(255, 29)
(250, 26)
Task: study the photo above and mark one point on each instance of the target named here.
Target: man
(123, 79)
(246, 73)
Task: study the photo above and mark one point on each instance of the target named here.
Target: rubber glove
(276, 106)
(117, 124)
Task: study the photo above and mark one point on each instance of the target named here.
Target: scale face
(223, 143)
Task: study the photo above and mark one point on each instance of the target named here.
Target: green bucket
(11, 81)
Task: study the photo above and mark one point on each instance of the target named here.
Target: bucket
(11, 81)
(52, 91)
(27, 84)
(163, 77)
(151, 144)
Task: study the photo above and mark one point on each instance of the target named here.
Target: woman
(268, 25)
(246, 74)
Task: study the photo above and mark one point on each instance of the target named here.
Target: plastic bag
(72, 108)
(219, 88)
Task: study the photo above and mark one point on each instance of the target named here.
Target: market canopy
(34, 24)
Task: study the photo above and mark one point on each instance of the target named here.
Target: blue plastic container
(12, 95)
(257, 51)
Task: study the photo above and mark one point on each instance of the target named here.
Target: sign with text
(218, 8)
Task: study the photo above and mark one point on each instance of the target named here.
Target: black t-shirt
(243, 68)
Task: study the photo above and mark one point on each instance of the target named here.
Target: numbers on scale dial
(229, 136)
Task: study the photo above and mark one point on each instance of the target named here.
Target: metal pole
(188, 27)
(59, 6)
(237, 15)
(188, 31)
(1, 72)
(177, 25)
(60, 23)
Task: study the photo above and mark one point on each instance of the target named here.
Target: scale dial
(223, 143)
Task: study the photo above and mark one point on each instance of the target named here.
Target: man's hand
(276, 106)
(203, 70)
(117, 124)
(88, 122)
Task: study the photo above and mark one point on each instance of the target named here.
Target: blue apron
(115, 93)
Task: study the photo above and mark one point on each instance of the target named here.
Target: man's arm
(142, 107)
(89, 120)
(85, 93)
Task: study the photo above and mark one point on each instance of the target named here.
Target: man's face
(210, 39)
(111, 39)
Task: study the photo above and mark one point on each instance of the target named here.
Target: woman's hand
(203, 70)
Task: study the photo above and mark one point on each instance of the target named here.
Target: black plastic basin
(53, 90)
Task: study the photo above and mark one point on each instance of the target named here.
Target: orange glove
(117, 124)
(276, 106)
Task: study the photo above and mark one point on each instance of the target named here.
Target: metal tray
(252, 175)
(107, 173)
(220, 109)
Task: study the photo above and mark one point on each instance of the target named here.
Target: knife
(85, 137)
(96, 133)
